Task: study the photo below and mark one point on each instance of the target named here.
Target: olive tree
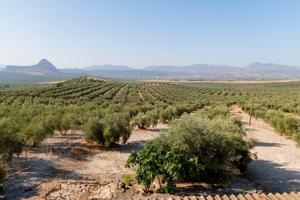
(94, 130)
(214, 148)
(116, 127)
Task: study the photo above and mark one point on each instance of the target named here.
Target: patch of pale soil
(110, 165)
(277, 168)
(67, 157)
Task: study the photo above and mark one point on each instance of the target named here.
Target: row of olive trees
(284, 123)
(27, 126)
(108, 130)
(30, 124)
(117, 122)
(207, 146)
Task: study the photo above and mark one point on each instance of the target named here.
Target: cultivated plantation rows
(102, 92)
(276, 103)
(284, 97)
(207, 145)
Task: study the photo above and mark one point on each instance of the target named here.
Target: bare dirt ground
(65, 158)
(66, 166)
(277, 168)
(110, 165)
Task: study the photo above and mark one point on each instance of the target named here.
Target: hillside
(255, 71)
(46, 71)
(43, 71)
(20, 78)
(44, 66)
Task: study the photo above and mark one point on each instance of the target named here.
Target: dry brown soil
(277, 168)
(64, 158)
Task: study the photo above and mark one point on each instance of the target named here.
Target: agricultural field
(141, 133)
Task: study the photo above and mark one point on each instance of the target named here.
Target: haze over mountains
(46, 71)
(44, 66)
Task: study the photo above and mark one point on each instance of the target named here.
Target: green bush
(215, 111)
(152, 117)
(217, 143)
(116, 127)
(140, 121)
(128, 180)
(35, 132)
(166, 114)
(94, 130)
(168, 165)
(283, 123)
(109, 130)
(132, 109)
(213, 148)
(10, 143)
(144, 121)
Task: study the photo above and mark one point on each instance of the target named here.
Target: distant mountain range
(44, 66)
(46, 71)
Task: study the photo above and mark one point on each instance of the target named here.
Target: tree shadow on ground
(129, 147)
(23, 182)
(159, 129)
(272, 177)
(267, 144)
(70, 149)
(238, 185)
(263, 176)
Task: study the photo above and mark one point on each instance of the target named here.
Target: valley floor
(68, 161)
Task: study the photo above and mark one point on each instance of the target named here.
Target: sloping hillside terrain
(45, 71)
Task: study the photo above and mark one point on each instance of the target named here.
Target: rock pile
(73, 189)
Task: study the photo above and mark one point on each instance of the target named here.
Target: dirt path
(277, 168)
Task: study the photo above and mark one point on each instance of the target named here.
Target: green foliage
(109, 130)
(9, 141)
(133, 109)
(140, 121)
(166, 164)
(128, 180)
(215, 111)
(217, 143)
(116, 127)
(35, 132)
(283, 123)
(1, 188)
(167, 114)
(94, 130)
(144, 121)
(152, 117)
(195, 148)
(103, 109)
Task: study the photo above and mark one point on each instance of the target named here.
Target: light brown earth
(277, 168)
(67, 158)
(223, 81)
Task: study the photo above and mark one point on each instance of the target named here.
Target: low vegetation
(208, 146)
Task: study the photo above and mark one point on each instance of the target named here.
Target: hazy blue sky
(73, 33)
